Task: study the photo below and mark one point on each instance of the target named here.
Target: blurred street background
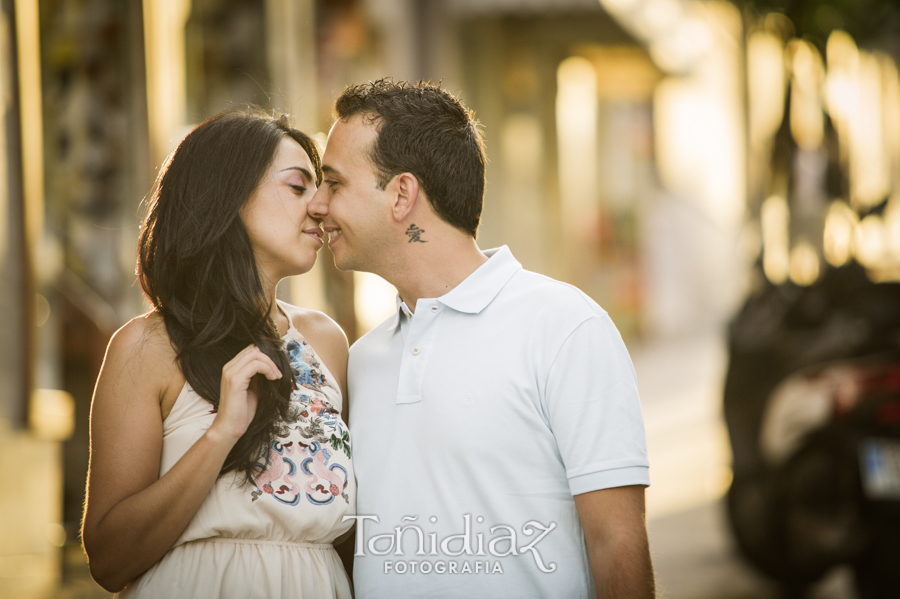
(723, 177)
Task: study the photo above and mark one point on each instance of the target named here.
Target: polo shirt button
(415, 351)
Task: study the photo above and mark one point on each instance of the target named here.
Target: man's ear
(407, 189)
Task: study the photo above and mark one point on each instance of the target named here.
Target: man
(497, 433)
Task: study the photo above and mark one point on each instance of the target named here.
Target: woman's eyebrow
(306, 173)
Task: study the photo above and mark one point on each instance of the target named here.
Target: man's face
(354, 211)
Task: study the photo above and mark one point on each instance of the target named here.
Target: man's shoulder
(541, 292)
(375, 336)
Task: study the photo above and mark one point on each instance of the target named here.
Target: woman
(220, 465)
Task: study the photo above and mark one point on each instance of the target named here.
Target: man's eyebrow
(305, 172)
(330, 170)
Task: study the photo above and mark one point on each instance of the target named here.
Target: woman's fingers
(248, 362)
(237, 402)
(266, 367)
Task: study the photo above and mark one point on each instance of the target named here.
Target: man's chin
(342, 263)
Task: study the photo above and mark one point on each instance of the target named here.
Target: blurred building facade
(630, 144)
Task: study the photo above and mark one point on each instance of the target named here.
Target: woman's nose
(317, 207)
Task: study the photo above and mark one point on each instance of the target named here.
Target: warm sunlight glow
(619, 6)
(804, 264)
(375, 299)
(869, 166)
(870, 241)
(164, 23)
(806, 94)
(839, 227)
(30, 101)
(892, 227)
(576, 125)
(766, 85)
(775, 220)
(5, 99)
(682, 45)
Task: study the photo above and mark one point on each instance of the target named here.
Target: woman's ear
(407, 194)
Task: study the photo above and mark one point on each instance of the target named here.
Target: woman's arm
(132, 516)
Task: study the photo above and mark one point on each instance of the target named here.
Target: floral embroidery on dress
(324, 481)
(318, 420)
(317, 433)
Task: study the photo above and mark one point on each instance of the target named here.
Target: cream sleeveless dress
(272, 540)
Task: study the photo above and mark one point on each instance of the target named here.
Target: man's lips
(333, 234)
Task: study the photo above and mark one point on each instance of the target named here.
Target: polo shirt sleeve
(591, 401)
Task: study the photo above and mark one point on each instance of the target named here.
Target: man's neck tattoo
(415, 234)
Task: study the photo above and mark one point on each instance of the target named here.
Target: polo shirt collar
(482, 286)
(478, 289)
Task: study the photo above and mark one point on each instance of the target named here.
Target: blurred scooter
(812, 405)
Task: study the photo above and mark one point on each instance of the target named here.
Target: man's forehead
(357, 125)
(352, 134)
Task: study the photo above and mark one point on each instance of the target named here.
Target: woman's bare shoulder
(326, 336)
(145, 334)
(314, 324)
(141, 348)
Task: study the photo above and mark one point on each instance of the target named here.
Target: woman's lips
(315, 233)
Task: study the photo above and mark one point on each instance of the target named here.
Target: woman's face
(283, 236)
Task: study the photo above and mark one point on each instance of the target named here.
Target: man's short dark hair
(426, 131)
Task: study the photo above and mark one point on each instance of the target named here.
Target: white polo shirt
(475, 421)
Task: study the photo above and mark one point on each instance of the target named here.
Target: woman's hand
(237, 401)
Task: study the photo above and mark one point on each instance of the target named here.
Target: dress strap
(290, 320)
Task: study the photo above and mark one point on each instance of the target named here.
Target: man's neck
(433, 270)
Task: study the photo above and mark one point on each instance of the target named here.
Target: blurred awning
(674, 30)
(676, 36)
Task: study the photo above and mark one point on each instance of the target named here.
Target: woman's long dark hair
(196, 265)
